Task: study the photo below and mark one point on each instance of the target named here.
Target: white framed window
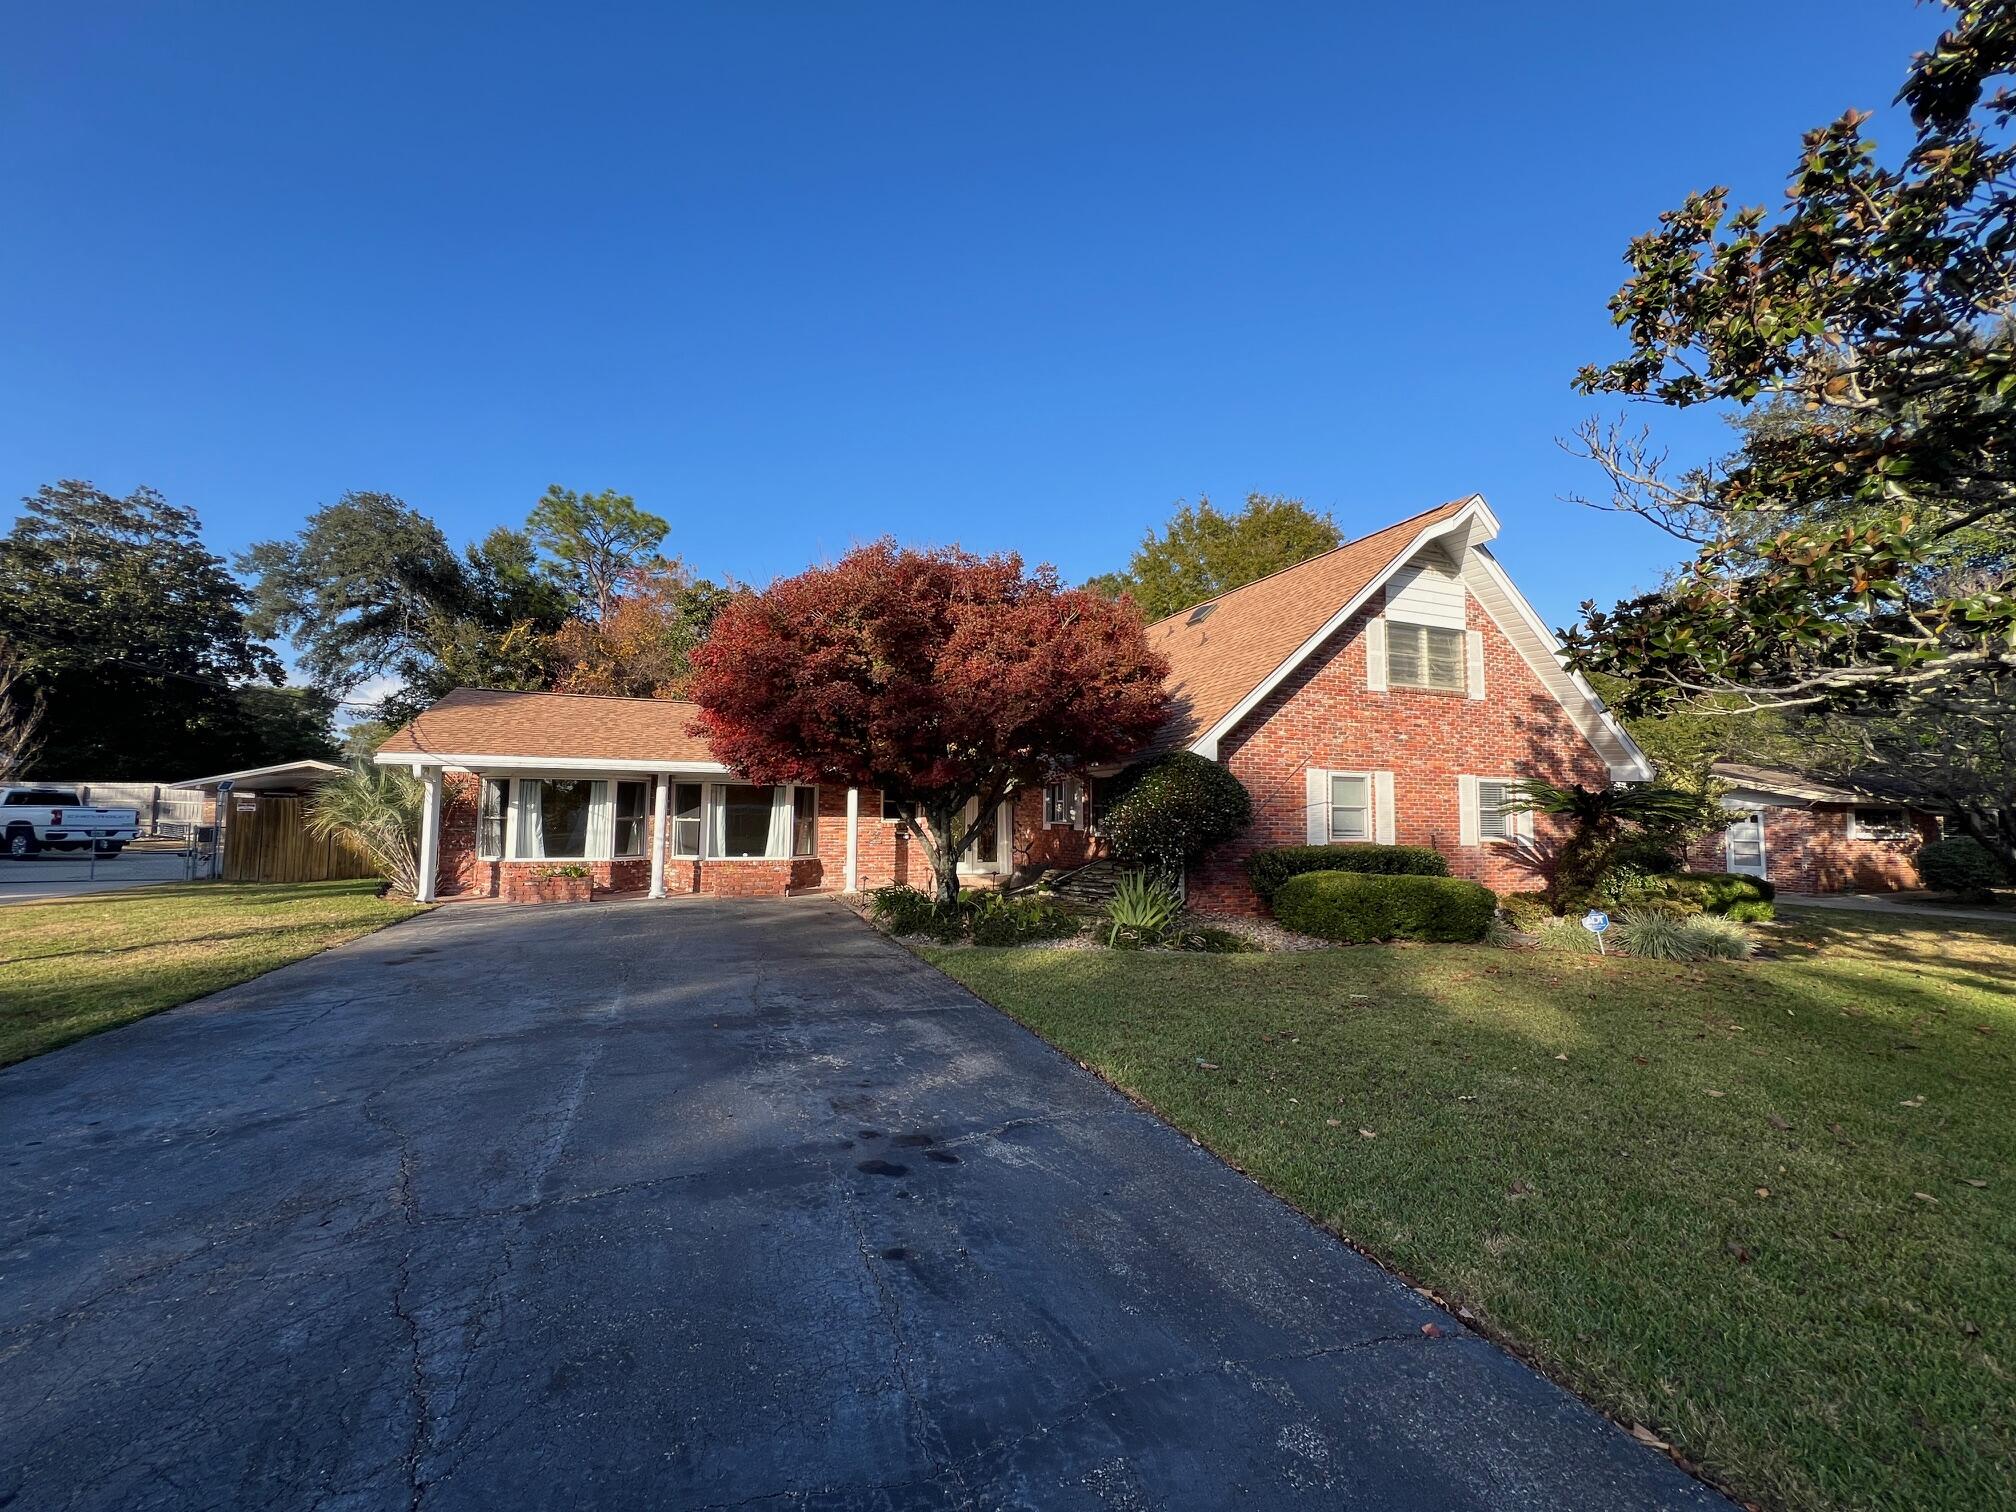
(1426, 656)
(556, 818)
(688, 802)
(632, 828)
(1063, 804)
(493, 803)
(1879, 824)
(1350, 816)
(804, 821)
(1490, 813)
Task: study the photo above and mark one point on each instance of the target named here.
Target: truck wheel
(110, 847)
(21, 844)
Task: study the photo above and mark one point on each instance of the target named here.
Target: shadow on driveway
(695, 1205)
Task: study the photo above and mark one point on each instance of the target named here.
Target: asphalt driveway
(690, 1205)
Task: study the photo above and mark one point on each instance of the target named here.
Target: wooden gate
(268, 840)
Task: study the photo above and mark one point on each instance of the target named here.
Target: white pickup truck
(51, 818)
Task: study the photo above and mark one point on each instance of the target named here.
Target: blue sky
(797, 275)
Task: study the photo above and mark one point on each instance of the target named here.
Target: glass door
(1744, 842)
(984, 855)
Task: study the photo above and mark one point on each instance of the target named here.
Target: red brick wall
(1325, 716)
(1807, 849)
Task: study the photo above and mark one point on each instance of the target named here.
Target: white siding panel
(1427, 591)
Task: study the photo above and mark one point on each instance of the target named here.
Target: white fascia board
(543, 763)
(1630, 763)
(1473, 524)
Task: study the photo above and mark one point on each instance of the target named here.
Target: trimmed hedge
(1270, 868)
(1357, 908)
(1702, 892)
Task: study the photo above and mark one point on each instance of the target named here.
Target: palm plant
(379, 809)
(1601, 819)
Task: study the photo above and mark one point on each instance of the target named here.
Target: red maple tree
(939, 676)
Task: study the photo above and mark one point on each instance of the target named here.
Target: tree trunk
(943, 848)
(1996, 830)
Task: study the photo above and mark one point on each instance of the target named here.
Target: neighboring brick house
(1392, 690)
(1809, 836)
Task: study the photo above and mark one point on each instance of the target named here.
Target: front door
(983, 857)
(1744, 842)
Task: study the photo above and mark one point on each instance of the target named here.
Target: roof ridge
(1219, 598)
(562, 693)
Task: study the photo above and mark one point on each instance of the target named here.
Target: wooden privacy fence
(268, 840)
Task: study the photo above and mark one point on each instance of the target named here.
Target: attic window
(1200, 614)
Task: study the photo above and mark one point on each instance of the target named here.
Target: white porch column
(430, 833)
(658, 838)
(851, 873)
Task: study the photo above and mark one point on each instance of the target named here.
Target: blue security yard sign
(1596, 921)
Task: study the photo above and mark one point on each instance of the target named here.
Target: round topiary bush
(1960, 865)
(1357, 908)
(1174, 809)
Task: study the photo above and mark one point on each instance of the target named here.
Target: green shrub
(1960, 865)
(1270, 868)
(1143, 908)
(906, 911)
(1696, 892)
(1211, 940)
(998, 920)
(1654, 935)
(1720, 938)
(1171, 810)
(1565, 935)
(1355, 908)
(1658, 935)
(1527, 910)
(1751, 913)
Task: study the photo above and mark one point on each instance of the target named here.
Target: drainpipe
(658, 838)
(430, 833)
(852, 871)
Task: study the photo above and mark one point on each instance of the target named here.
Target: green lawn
(72, 968)
(1766, 1208)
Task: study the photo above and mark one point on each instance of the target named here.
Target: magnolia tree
(943, 678)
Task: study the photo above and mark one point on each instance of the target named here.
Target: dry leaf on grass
(1780, 1124)
(1973, 1181)
(1367, 1134)
(1926, 1197)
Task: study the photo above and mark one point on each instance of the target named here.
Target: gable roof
(553, 728)
(1254, 632)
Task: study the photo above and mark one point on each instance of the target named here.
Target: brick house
(1805, 835)
(1390, 690)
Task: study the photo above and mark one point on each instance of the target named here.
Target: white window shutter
(1382, 807)
(1319, 807)
(1375, 654)
(1466, 801)
(1475, 648)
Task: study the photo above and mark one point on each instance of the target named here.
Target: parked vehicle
(51, 818)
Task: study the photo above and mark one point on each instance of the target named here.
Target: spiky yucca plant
(379, 808)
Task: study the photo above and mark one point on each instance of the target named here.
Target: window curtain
(531, 827)
(601, 822)
(781, 826)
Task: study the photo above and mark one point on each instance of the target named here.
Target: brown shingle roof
(557, 726)
(1213, 665)
(1251, 631)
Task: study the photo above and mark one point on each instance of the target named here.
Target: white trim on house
(556, 766)
(1536, 644)
(1320, 791)
(1905, 830)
